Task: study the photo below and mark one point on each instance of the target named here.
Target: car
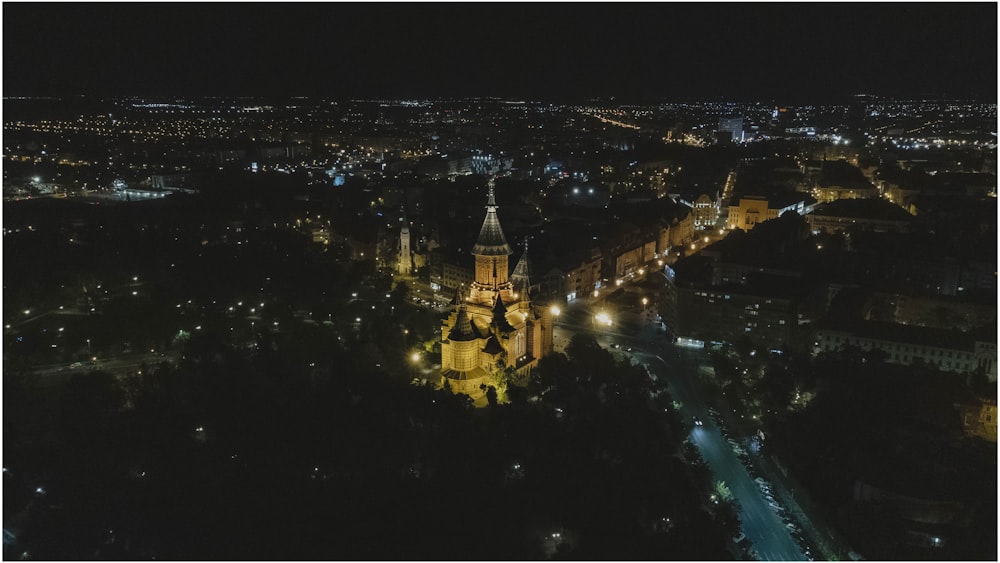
(739, 537)
(698, 422)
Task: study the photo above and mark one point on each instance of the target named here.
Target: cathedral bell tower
(491, 252)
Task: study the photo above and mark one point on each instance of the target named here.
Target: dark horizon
(632, 52)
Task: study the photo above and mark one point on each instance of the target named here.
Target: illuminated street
(768, 534)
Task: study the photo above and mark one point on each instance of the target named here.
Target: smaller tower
(520, 277)
(405, 257)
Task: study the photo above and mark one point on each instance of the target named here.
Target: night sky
(552, 51)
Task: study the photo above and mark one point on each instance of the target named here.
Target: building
(949, 351)
(980, 419)
(752, 210)
(568, 275)
(876, 215)
(705, 212)
(839, 179)
(731, 129)
(405, 266)
(763, 313)
(495, 324)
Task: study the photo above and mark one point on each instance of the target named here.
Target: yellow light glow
(555, 310)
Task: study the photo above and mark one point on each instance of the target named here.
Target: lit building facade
(705, 212)
(405, 267)
(755, 209)
(909, 344)
(495, 324)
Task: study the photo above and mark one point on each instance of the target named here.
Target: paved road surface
(770, 537)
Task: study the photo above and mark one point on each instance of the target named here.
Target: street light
(602, 318)
(555, 310)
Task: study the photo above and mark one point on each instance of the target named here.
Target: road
(770, 537)
(112, 365)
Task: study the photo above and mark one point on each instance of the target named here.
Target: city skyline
(522, 282)
(799, 52)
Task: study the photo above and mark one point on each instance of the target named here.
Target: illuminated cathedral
(495, 323)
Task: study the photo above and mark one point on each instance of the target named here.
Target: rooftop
(491, 241)
(873, 209)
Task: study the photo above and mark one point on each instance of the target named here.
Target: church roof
(462, 331)
(474, 373)
(491, 241)
(493, 346)
(519, 277)
(500, 316)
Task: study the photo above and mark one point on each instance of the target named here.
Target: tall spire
(491, 241)
(519, 278)
(491, 202)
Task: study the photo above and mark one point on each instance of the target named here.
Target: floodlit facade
(495, 324)
(752, 210)
(405, 265)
